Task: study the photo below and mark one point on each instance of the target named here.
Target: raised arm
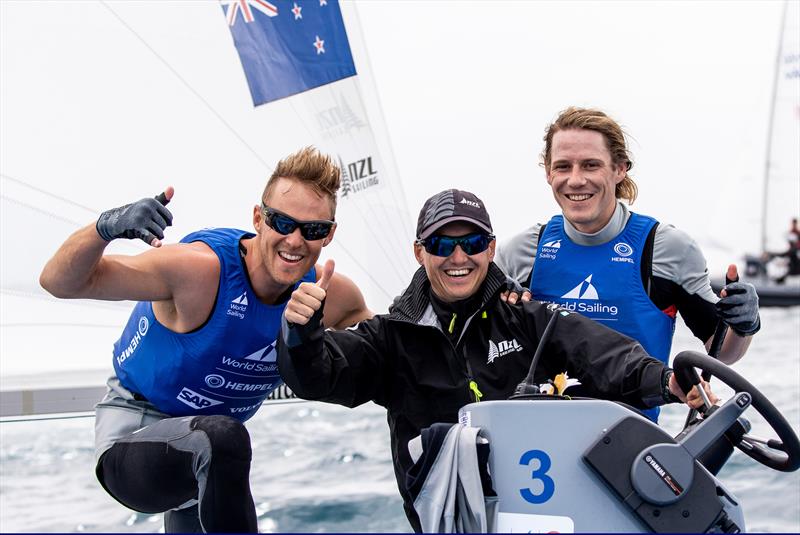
(344, 367)
(79, 270)
(181, 280)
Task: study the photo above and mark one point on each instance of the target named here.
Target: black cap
(452, 205)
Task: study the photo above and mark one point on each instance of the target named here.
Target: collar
(415, 300)
(612, 229)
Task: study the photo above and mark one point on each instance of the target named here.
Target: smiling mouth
(463, 272)
(578, 196)
(288, 257)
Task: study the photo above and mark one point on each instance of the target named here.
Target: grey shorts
(118, 415)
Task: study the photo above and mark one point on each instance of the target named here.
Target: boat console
(585, 465)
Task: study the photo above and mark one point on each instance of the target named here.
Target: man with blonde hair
(197, 357)
(615, 266)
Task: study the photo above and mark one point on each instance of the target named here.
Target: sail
(104, 103)
(781, 200)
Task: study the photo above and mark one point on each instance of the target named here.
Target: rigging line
(403, 203)
(317, 137)
(770, 128)
(45, 212)
(380, 108)
(86, 303)
(189, 87)
(367, 224)
(199, 96)
(379, 242)
(91, 414)
(92, 325)
(366, 272)
(34, 418)
(40, 190)
(312, 103)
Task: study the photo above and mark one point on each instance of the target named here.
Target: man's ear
(547, 175)
(329, 237)
(257, 218)
(621, 172)
(419, 252)
(490, 250)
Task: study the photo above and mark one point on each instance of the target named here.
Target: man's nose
(294, 237)
(458, 254)
(576, 176)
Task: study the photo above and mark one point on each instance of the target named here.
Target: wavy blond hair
(592, 119)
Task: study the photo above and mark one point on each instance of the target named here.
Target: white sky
(103, 103)
(466, 86)
(469, 86)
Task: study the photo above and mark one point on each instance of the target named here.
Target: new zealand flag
(289, 47)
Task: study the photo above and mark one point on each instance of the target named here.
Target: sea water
(324, 468)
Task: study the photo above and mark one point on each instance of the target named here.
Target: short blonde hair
(592, 119)
(310, 167)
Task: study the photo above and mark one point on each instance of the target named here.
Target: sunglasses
(445, 245)
(285, 225)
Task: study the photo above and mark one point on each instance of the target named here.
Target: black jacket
(404, 362)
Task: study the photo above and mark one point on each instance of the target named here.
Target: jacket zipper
(473, 384)
(474, 391)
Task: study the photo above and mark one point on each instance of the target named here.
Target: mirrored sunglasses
(445, 245)
(285, 225)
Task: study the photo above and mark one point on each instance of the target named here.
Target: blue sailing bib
(228, 366)
(603, 282)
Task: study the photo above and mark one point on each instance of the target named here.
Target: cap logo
(471, 203)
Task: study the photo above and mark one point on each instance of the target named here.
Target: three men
(436, 350)
(196, 358)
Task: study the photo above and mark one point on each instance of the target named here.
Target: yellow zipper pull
(474, 387)
(452, 323)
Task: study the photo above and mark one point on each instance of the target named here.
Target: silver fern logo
(493, 352)
(502, 348)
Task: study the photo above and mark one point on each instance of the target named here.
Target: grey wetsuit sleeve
(678, 258)
(516, 256)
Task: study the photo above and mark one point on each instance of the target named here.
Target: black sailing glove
(739, 308)
(513, 285)
(295, 334)
(145, 219)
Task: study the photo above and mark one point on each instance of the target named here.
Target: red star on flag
(296, 10)
(319, 44)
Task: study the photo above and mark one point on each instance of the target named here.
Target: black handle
(719, 333)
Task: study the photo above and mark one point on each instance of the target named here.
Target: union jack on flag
(235, 6)
(287, 47)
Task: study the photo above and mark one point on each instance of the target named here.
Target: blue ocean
(324, 468)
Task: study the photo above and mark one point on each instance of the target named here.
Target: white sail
(781, 200)
(107, 102)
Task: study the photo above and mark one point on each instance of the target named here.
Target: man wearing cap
(450, 340)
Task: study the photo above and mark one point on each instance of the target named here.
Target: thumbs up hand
(145, 219)
(307, 299)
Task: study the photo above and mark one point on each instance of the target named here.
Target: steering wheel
(783, 454)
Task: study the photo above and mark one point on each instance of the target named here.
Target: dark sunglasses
(285, 225)
(445, 245)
